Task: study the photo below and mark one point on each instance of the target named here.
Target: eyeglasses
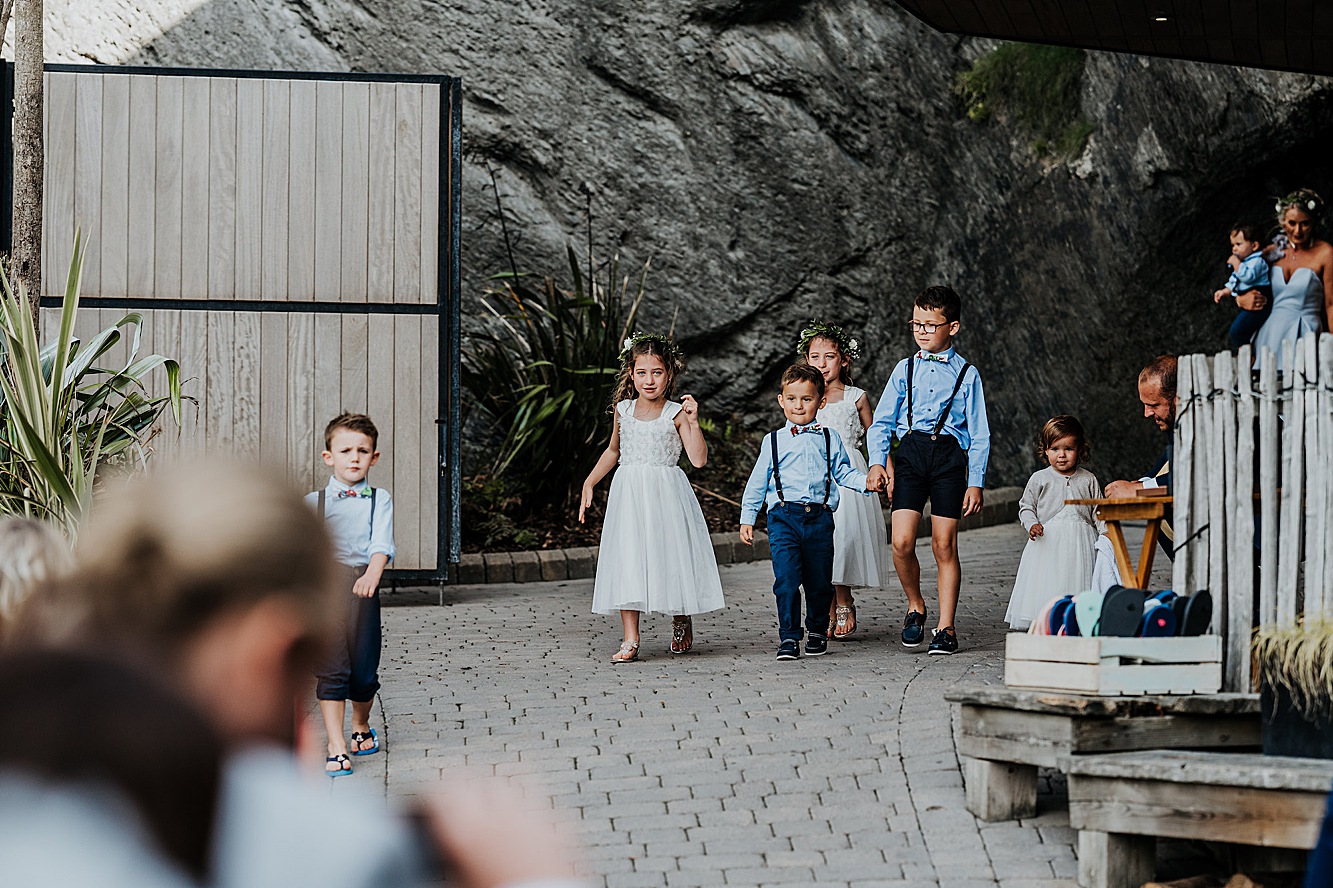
(925, 327)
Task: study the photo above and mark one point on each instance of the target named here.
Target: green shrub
(1038, 87)
(63, 419)
(542, 374)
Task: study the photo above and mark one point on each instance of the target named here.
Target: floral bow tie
(350, 492)
(927, 356)
(814, 427)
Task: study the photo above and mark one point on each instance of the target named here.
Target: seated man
(1157, 392)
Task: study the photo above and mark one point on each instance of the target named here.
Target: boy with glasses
(933, 406)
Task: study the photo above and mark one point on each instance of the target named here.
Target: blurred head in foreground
(217, 575)
(33, 552)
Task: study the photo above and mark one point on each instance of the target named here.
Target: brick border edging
(1001, 507)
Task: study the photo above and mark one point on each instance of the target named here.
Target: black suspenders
(828, 466)
(948, 405)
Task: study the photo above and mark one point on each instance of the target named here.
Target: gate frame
(448, 304)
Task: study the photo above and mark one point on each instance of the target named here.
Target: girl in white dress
(860, 542)
(1060, 552)
(656, 553)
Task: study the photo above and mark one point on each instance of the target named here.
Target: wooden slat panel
(407, 419)
(407, 196)
(355, 354)
(88, 178)
(224, 183)
(430, 439)
(170, 189)
(220, 383)
(1292, 410)
(430, 193)
(249, 122)
(165, 327)
(277, 134)
(300, 432)
(194, 367)
(196, 245)
(328, 191)
(58, 223)
(246, 397)
(356, 187)
(141, 183)
(380, 233)
(328, 385)
(273, 389)
(1268, 484)
(115, 187)
(380, 382)
(301, 193)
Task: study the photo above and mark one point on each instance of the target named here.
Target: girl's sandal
(628, 653)
(844, 623)
(682, 635)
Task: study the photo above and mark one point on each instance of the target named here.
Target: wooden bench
(1008, 734)
(1122, 802)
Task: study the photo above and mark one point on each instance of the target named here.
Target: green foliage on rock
(1037, 87)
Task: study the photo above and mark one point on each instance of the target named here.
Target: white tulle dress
(656, 554)
(1061, 560)
(860, 540)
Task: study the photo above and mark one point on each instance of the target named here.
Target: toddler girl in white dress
(656, 553)
(1059, 556)
(860, 541)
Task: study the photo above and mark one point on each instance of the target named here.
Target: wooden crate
(1110, 666)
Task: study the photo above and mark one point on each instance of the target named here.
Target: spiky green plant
(542, 373)
(1298, 660)
(62, 417)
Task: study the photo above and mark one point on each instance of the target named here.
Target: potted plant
(1294, 670)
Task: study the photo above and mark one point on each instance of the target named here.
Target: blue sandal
(343, 762)
(359, 737)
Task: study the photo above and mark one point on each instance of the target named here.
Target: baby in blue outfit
(1249, 272)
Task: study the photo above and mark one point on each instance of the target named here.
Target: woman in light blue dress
(1302, 275)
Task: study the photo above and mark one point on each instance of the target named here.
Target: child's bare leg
(361, 722)
(944, 543)
(333, 712)
(903, 527)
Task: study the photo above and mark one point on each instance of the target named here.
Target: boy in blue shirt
(934, 406)
(1249, 271)
(797, 475)
(360, 521)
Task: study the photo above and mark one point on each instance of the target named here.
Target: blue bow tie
(815, 427)
(350, 492)
(927, 356)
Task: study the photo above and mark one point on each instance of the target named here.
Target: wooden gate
(293, 240)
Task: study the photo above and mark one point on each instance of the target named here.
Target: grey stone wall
(783, 159)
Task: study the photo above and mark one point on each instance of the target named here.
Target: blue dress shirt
(348, 519)
(803, 466)
(1252, 274)
(932, 383)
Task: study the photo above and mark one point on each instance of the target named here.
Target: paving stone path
(724, 766)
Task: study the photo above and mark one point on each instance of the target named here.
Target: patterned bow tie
(816, 427)
(927, 356)
(349, 492)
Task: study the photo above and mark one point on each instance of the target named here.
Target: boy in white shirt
(360, 520)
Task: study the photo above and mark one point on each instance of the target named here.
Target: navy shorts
(350, 670)
(930, 469)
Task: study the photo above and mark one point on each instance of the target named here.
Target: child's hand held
(585, 502)
(747, 534)
(1036, 531)
(689, 407)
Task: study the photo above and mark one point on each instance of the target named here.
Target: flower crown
(833, 333)
(638, 337)
(1302, 198)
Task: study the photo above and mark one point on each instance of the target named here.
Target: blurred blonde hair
(34, 552)
(165, 555)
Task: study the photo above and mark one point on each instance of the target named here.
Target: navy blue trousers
(800, 542)
(350, 671)
(1246, 324)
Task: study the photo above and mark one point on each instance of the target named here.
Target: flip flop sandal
(1159, 620)
(1056, 619)
(682, 635)
(1122, 612)
(359, 737)
(628, 653)
(1088, 611)
(1042, 625)
(344, 765)
(1198, 613)
(844, 615)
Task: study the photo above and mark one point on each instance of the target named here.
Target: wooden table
(1113, 510)
(1007, 734)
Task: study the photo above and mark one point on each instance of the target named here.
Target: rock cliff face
(784, 159)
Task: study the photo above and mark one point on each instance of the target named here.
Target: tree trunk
(29, 155)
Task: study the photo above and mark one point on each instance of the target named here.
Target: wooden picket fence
(1232, 425)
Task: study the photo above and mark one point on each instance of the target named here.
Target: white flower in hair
(629, 343)
(1310, 204)
(1278, 206)
(852, 345)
